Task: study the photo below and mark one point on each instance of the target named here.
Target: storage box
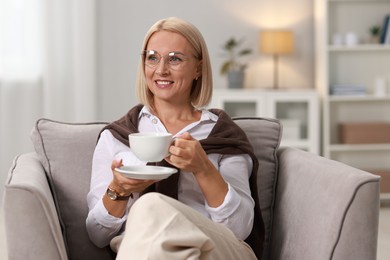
(364, 133)
(385, 179)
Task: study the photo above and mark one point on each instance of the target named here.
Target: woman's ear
(199, 70)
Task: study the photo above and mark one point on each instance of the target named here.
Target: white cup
(351, 39)
(150, 147)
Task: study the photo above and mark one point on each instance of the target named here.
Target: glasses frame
(174, 65)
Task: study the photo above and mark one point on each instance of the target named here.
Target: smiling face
(168, 81)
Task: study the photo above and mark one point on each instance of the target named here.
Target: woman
(209, 207)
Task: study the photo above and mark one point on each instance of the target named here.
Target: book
(387, 35)
(345, 90)
(385, 29)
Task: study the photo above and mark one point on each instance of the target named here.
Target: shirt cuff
(104, 218)
(227, 208)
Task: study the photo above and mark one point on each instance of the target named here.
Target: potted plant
(232, 66)
(375, 32)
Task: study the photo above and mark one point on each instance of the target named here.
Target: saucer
(146, 172)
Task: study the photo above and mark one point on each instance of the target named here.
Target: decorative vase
(236, 79)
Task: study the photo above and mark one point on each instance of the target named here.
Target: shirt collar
(206, 114)
(145, 112)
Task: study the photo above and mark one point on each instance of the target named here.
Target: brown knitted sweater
(225, 138)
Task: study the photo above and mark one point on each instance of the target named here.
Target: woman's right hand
(124, 185)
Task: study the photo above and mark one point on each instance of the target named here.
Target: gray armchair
(313, 208)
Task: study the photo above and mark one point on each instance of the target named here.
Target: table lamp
(277, 43)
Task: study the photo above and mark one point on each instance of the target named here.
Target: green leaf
(225, 67)
(230, 44)
(233, 53)
(245, 52)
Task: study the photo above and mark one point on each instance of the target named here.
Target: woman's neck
(176, 118)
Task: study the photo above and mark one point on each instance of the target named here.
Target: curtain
(47, 68)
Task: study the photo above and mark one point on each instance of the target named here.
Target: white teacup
(150, 147)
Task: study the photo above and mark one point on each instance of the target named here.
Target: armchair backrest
(65, 151)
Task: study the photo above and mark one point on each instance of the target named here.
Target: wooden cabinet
(298, 111)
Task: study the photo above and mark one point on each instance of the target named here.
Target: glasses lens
(152, 58)
(175, 60)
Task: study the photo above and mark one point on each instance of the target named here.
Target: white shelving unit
(357, 65)
(298, 111)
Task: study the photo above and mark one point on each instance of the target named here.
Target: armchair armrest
(31, 221)
(324, 209)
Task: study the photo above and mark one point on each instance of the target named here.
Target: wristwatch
(113, 195)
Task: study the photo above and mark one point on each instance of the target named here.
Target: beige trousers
(159, 227)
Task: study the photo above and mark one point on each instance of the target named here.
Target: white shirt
(236, 211)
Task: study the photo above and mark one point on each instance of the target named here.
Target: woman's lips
(163, 83)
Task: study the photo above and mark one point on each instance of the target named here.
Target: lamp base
(276, 60)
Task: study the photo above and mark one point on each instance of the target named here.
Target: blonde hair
(202, 87)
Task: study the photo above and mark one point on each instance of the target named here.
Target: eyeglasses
(175, 60)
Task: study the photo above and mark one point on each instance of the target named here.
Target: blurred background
(76, 61)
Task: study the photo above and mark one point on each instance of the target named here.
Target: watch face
(112, 194)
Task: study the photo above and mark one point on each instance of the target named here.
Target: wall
(122, 24)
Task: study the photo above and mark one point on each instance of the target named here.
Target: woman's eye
(152, 58)
(175, 59)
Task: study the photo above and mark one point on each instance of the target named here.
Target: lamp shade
(276, 42)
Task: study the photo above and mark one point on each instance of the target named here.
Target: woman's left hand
(187, 154)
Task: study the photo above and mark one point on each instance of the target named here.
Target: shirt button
(154, 121)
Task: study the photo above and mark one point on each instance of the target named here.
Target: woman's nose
(162, 67)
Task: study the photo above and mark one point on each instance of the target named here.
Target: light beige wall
(122, 24)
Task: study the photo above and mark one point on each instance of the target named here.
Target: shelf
(365, 98)
(359, 47)
(358, 147)
(385, 198)
(352, 65)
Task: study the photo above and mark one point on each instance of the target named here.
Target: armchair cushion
(264, 135)
(65, 151)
